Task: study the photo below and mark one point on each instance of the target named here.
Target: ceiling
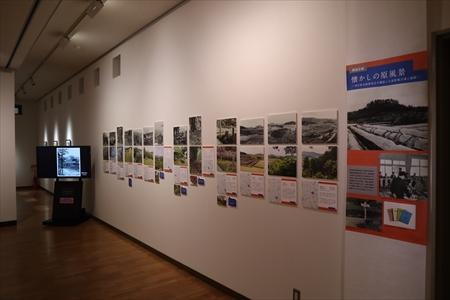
(32, 37)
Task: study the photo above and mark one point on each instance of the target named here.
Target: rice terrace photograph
(137, 137)
(364, 214)
(226, 159)
(395, 120)
(120, 136)
(180, 135)
(195, 160)
(148, 156)
(180, 156)
(129, 138)
(252, 131)
(319, 127)
(319, 162)
(252, 159)
(129, 154)
(159, 158)
(226, 131)
(159, 133)
(282, 161)
(282, 129)
(137, 155)
(195, 130)
(148, 136)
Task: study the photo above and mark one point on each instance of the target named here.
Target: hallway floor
(88, 261)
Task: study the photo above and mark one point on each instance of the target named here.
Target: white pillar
(7, 148)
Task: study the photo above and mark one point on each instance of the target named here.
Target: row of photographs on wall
(318, 161)
(318, 128)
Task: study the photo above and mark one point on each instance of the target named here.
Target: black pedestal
(67, 200)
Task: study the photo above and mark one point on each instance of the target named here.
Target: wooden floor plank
(88, 261)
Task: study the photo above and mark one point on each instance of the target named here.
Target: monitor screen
(63, 162)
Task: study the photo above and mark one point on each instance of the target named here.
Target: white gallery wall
(26, 139)
(7, 154)
(243, 59)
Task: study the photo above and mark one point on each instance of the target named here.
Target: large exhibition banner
(388, 180)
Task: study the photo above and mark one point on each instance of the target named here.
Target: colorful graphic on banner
(387, 163)
(395, 70)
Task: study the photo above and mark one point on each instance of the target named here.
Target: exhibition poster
(388, 162)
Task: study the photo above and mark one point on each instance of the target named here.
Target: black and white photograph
(180, 135)
(137, 137)
(112, 138)
(105, 153)
(119, 136)
(403, 176)
(282, 129)
(159, 133)
(148, 136)
(364, 214)
(226, 131)
(320, 127)
(252, 131)
(68, 162)
(195, 131)
(105, 139)
(389, 118)
(129, 138)
(319, 162)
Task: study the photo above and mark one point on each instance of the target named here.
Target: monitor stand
(67, 199)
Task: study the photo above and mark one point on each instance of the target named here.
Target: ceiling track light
(94, 8)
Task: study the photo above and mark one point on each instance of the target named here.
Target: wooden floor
(88, 261)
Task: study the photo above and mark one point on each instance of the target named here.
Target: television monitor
(63, 162)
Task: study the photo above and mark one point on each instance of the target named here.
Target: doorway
(442, 166)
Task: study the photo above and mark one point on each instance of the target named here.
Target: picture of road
(252, 159)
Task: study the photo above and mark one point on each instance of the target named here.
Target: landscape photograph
(320, 127)
(119, 154)
(159, 158)
(148, 156)
(195, 130)
(364, 214)
(226, 159)
(226, 131)
(195, 160)
(112, 153)
(252, 159)
(282, 129)
(148, 136)
(252, 131)
(180, 156)
(137, 155)
(180, 135)
(282, 161)
(119, 136)
(395, 118)
(129, 154)
(105, 153)
(319, 162)
(105, 139)
(137, 137)
(159, 133)
(129, 138)
(112, 138)
(222, 200)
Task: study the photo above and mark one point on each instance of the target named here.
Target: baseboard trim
(175, 262)
(8, 223)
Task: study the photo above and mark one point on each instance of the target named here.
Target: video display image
(68, 162)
